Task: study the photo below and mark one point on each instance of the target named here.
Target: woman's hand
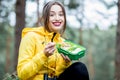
(49, 49)
(66, 58)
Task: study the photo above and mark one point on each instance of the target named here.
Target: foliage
(108, 5)
(5, 22)
(73, 4)
(11, 76)
(2, 71)
(6, 36)
(102, 44)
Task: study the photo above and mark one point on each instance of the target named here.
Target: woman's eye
(61, 14)
(51, 14)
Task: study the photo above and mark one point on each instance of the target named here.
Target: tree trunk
(90, 59)
(20, 24)
(38, 14)
(7, 55)
(80, 19)
(117, 57)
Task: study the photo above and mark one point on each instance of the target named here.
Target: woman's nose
(57, 17)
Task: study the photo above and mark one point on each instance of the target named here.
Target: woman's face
(56, 18)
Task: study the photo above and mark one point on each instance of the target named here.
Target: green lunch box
(72, 50)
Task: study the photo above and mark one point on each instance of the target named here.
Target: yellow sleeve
(29, 63)
(61, 65)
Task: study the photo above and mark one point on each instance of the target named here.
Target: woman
(38, 57)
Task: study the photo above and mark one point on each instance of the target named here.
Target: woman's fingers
(49, 49)
(65, 57)
(49, 45)
(68, 59)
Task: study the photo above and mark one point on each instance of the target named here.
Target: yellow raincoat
(32, 62)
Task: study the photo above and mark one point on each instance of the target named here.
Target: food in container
(72, 50)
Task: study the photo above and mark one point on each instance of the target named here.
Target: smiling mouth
(56, 23)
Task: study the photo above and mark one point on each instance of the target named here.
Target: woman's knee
(78, 65)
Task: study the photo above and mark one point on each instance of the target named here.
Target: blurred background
(91, 23)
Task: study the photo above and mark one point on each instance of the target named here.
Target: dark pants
(77, 71)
